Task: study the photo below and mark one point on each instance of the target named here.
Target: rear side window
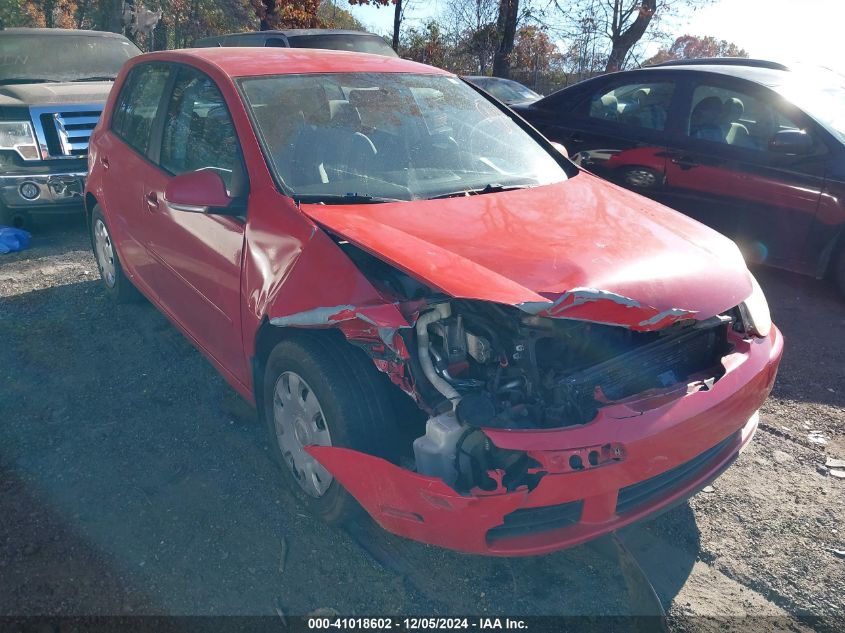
(138, 104)
(198, 130)
(642, 105)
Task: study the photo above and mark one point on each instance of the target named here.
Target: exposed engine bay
(478, 364)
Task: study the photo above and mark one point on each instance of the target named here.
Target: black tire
(14, 217)
(640, 178)
(117, 284)
(356, 403)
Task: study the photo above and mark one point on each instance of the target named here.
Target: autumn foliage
(692, 47)
(290, 14)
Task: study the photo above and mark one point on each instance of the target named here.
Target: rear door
(199, 255)
(125, 158)
(722, 171)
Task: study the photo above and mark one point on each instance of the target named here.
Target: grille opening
(536, 520)
(641, 493)
(65, 132)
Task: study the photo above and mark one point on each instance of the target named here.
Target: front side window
(643, 105)
(732, 117)
(138, 104)
(198, 130)
(391, 136)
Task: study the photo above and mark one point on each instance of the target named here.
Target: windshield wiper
(27, 80)
(490, 188)
(96, 78)
(337, 198)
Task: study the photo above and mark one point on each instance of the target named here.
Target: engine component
(440, 311)
(518, 371)
(479, 348)
(435, 452)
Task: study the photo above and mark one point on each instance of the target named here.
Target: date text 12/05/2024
(415, 623)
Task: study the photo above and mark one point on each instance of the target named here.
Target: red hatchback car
(436, 313)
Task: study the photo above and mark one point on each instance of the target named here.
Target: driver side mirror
(560, 148)
(201, 191)
(791, 142)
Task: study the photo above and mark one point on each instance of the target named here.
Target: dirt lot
(133, 480)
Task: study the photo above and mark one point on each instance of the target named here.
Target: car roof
(764, 76)
(242, 61)
(44, 31)
(756, 70)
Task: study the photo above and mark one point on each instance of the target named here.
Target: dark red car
(435, 312)
(751, 148)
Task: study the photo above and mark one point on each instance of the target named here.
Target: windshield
(391, 136)
(344, 42)
(822, 100)
(51, 57)
(511, 91)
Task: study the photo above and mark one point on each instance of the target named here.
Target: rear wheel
(319, 390)
(116, 283)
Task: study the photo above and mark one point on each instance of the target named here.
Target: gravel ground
(134, 480)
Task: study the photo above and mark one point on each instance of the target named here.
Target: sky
(808, 31)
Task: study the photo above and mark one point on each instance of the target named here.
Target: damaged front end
(535, 418)
(484, 366)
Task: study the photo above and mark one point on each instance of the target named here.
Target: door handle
(152, 201)
(684, 162)
(576, 138)
(104, 161)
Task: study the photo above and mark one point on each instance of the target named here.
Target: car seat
(706, 119)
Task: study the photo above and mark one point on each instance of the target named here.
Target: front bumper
(671, 445)
(56, 191)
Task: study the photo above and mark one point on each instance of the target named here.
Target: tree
(427, 45)
(621, 24)
(292, 14)
(692, 47)
(398, 15)
(533, 50)
(506, 30)
(471, 30)
(334, 17)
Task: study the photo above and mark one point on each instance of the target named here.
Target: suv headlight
(18, 136)
(755, 311)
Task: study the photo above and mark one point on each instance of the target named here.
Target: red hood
(583, 247)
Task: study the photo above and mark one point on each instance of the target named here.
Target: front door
(198, 280)
(619, 131)
(723, 172)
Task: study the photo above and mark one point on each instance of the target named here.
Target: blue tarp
(12, 240)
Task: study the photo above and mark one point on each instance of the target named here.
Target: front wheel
(640, 178)
(320, 391)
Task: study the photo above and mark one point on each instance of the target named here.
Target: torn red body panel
(687, 442)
